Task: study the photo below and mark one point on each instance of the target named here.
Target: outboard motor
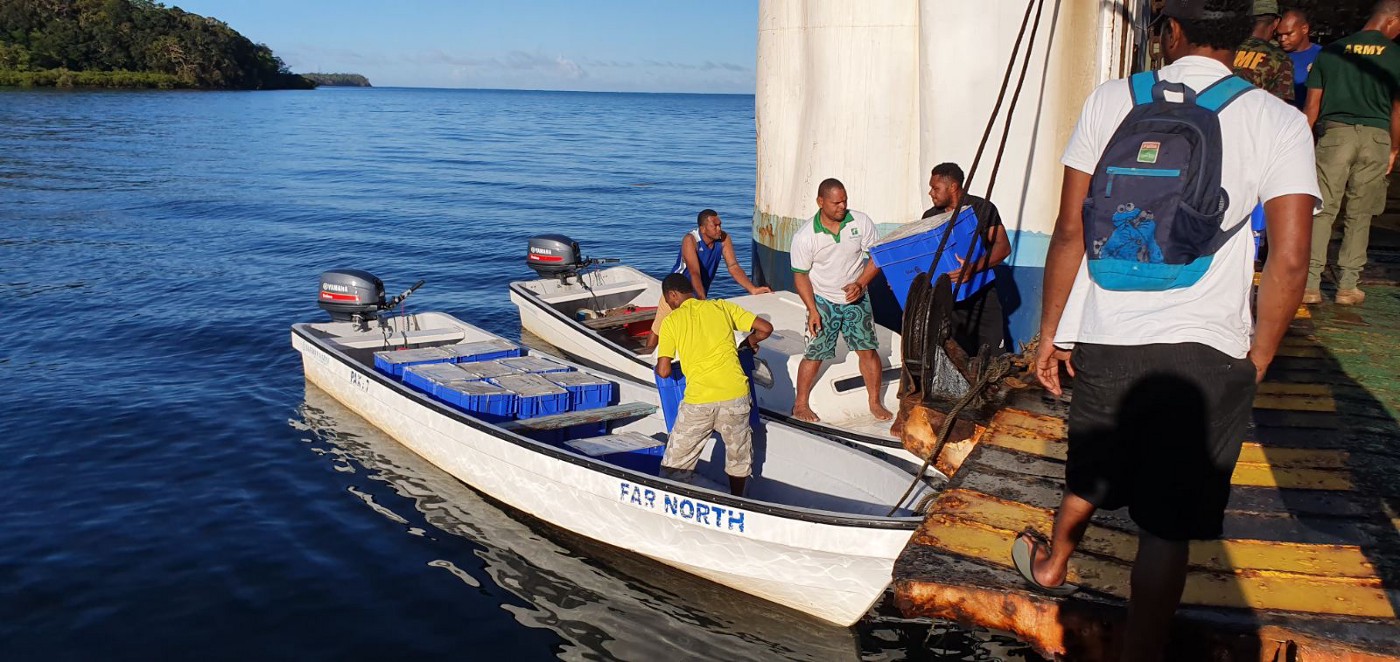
(557, 256)
(353, 295)
(346, 293)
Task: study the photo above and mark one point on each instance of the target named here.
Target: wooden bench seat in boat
(570, 419)
(615, 321)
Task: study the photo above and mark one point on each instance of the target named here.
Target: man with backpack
(1147, 286)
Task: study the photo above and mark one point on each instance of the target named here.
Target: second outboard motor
(557, 256)
(554, 256)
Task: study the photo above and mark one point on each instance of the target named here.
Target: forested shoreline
(131, 43)
(338, 80)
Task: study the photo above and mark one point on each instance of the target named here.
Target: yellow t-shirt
(700, 334)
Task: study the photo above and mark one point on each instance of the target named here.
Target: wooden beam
(570, 419)
(1327, 579)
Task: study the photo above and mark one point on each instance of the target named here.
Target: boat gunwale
(795, 513)
(829, 431)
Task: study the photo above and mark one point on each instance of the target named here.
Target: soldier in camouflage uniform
(1261, 61)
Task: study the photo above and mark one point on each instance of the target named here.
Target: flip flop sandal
(1023, 551)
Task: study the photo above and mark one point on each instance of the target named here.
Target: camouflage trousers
(694, 423)
(1351, 163)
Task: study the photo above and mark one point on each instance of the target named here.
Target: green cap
(1265, 7)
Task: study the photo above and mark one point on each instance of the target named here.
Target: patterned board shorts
(694, 423)
(855, 321)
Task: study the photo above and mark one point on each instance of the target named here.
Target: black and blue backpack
(1152, 220)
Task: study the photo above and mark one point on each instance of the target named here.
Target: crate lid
(533, 364)
(529, 385)
(623, 442)
(576, 379)
(481, 347)
(921, 226)
(439, 372)
(398, 356)
(466, 387)
(489, 369)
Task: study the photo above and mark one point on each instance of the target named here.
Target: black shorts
(979, 321)
(1158, 428)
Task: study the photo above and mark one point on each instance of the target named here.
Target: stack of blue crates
(495, 381)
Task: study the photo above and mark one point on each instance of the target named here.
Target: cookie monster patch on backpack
(1153, 218)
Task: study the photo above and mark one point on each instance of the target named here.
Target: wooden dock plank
(1251, 578)
(1292, 468)
(1217, 555)
(1088, 626)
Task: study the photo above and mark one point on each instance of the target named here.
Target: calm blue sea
(171, 486)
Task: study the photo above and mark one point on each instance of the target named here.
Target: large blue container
(585, 390)
(535, 395)
(909, 252)
(393, 362)
(487, 402)
(672, 391)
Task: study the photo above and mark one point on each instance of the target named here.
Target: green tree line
(338, 80)
(131, 43)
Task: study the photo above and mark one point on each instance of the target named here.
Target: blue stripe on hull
(1019, 288)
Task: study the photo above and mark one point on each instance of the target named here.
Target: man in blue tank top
(702, 249)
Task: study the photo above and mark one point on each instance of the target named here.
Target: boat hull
(830, 567)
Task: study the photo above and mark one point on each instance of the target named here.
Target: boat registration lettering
(682, 508)
(359, 380)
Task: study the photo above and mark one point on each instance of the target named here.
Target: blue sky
(596, 45)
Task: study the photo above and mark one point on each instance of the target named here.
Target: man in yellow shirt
(700, 334)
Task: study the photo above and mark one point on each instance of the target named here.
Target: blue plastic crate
(909, 251)
(672, 391)
(393, 362)
(535, 395)
(585, 391)
(486, 401)
(534, 364)
(429, 377)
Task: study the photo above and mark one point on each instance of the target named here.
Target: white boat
(567, 313)
(812, 532)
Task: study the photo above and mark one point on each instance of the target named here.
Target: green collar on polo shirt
(819, 228)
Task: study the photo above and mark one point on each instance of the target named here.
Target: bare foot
(1045, 572)
(805, 413)
(880, 413)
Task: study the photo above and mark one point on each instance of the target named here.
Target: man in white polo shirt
(1164, 380)
(831, 268)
